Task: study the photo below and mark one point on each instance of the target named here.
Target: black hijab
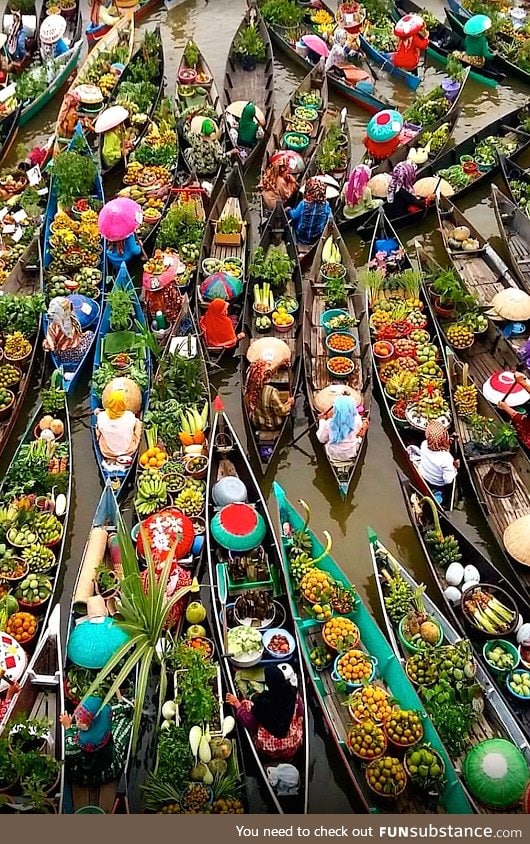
(274, 708)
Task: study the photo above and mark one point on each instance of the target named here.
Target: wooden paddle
(222, 592)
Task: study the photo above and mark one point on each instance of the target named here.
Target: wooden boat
(514, 227)
(231, 201)
(9, 126)
(118, 471)
(513, 172)
(256, 86)
(158, 81)
(316, 82)
(227, 457)
(495, 720)
(265, 444)
(142, 10)
(24, 280)
(408, 436)
(384, 61)
(41, 696)
(121, 33)
(30, 19)
(421, 518)
(333, 701)
(71, 371)
(315, 355)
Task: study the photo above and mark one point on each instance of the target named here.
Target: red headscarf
(258, 374)
(217, 327)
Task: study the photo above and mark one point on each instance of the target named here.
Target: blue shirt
(20, 51)
(61, 48)
(309, 219)
(131, 249)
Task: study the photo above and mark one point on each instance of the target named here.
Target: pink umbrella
(119, 218)
(316, 44)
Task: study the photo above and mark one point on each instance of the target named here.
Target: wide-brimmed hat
(271, 349)
(88, 93)
(238, 527)
(385, 125)
(316, 44)
(409, 25)
(498, 384)
(205, 126)
(52, 29)
(430, 185)
(325, 399)
(512, 303)
(91, 645)
(110, 118)
(379, 185)
(516, 539)
(236, 109)
(477, 25)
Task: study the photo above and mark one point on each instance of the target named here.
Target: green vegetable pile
(437, 139)
(427, 109)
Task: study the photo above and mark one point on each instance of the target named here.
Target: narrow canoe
(9, 126)
(31, 19)
(71, 371)
(118, 472)
(384, 61)
(94, 34)
(255, 86)
(332, 701)
(265, 444)
(513, 172)
(333, 120)
(227, 456)
(513, 714)
(42, 697)
(496, 720)
(316, 374)
(514, 227)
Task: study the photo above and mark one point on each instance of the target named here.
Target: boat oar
(222, 592)
(310, 427)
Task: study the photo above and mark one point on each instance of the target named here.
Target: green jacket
(477, 45)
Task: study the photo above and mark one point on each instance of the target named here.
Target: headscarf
(116, 404)
(208, 127)
(270, 178)
(16, 28)
(94, 12)
(336, 54)
(217, 327)
(437, 436)
(315, 191)
(60, 314)
(340, 36)
(359, 178)
(403, 177)
(248, 126)
(343, 421)
(94, 724)
(274, 708)
(258, 374)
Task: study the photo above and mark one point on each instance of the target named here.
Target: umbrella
(237, 107)
(196, 127)
(238, 527)
(221, 286)
(13, 659)
(512, 304)
(52, 29)
(477, 25)
(409, 25)
(332, 186)
(496, 387)
(110, 118)
(271, 349)
(119, 218)
(379, 185)
(384, 126)
(325, 398)
(162, 530)
(92, 643)
(431, 185)
(316, 44)
(516, 539)
(292, 159)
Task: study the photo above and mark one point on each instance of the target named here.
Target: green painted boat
(32, 108)
(453, 799)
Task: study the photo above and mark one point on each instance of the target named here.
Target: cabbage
(243, 640)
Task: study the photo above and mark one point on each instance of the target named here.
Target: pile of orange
(316, 586)
(22, 626)
(367, 740)
(355, 666)
(153, 457)
(373, 702)
(340, 634)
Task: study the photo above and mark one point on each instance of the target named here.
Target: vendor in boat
(16, 38)
(476, 47)
(310, 216)
(520, 421)
(69, 115)
(103, 14)
(340, 429)
(119, 251)
(275, 717)
(401, 190)
(342, 50)
(52, 43)
(118, 431)
(217, 327)
(117, 137)
(205, 154)
(413, 40)
(64, 335)
(277, 185)
(437, 465)
(246, 132)
(266, 409)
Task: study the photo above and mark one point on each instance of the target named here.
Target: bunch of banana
(192, 422)
(151, 493)
(331, 252)
(466, 399)
(299, 565)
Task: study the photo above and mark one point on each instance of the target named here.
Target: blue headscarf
(343, 420)
(94, 723)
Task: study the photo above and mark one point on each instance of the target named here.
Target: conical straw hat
(516, 540)
(512, 303)
(379, 185)
(325, 398)
(432, 184)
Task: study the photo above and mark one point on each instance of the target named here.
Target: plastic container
(288, 141)
(414, 649)
(512, 692)
(328, 315)
(278, 631)
(340, 375)
(337, 678)
(507, 646)
(389, 346)
(337, 352)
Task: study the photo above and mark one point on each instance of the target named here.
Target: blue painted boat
(384, 61)
(71, 371)
(122, 341)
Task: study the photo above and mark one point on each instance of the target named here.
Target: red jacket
(408, 54)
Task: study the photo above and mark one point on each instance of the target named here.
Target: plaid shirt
(309, 219)
(270, 411)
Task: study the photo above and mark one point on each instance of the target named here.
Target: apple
(196, 630)
(195, 613)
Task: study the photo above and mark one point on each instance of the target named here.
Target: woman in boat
(265, 406)
(437, 465)
(52, 43)
(118, 431)
(64, 335)
(520, 421)
(340, 430)
(476, 46)
(245, 132)
(117, 141)
(103, 14)
(310, 216)
(205, 154)
(275, 718)
(16, 38)
(119, 251)
(277, 185)
(401, 190)
(341, 52)
(69, 115)
(217, 327)
(413, 40)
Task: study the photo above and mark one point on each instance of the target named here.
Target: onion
(455, 574)
(523, 634)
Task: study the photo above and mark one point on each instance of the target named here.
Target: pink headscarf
(359, 178)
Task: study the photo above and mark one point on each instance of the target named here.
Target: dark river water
(375, 499)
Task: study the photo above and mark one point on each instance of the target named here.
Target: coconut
(45, 422)
(429, 632)
(453, 595)
(133, 394)
(198, 771)
(57, 427)
(523, 634)
(221, 748)
(471, 573)
(379, 185)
